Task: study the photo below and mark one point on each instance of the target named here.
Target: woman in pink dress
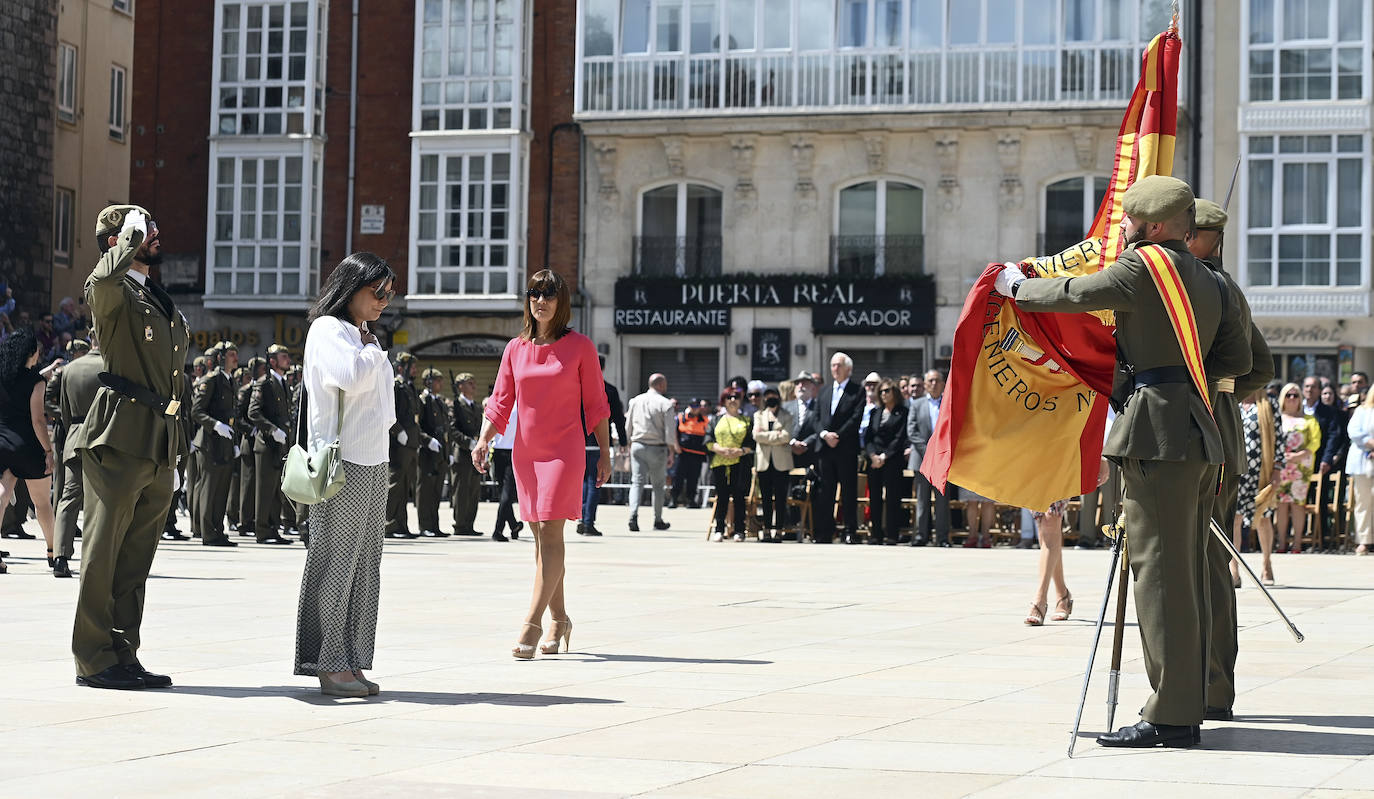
(551, 375)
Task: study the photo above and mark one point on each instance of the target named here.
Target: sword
(1117, 546)
(1114, 676)
(1235, 173)
(1230, 547)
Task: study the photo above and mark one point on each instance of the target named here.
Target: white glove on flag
(434, 445)
(279, 436)
(224, 430)
(1008, 278)
(135, 220)
(402, 438)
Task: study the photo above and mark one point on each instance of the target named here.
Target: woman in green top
(729, 438)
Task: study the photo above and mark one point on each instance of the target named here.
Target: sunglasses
(383, 293)
(547, 294)
(886, 391)
(1291, 396)
(755, 394)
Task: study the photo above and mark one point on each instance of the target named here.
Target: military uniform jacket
(80, 384)
(467, 422)
(1157, 422)
(269, 409)
(212, 401)
(143, 338)
(434, 426)
(1224, 406)
(407, 416)
(243, 426)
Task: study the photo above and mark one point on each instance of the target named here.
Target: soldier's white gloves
(1007, 279)
(236, 450)
(135, 220)
(434, 445)
(224, 429)
(279, 436)
(452, 459)
(402, 438)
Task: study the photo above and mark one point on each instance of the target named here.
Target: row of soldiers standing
(431, 442)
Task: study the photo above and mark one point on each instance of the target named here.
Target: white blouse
(336, 361)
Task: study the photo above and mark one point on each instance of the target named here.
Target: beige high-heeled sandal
(1063, 608)
(561, 639)
(525, 651)
(1036, 617)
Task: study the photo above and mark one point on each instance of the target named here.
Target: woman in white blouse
(349, 397)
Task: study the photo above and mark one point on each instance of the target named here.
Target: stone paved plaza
(699, 670)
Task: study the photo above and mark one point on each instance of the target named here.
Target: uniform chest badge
(147, 332)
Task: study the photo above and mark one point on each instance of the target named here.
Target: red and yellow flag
(1025, 407)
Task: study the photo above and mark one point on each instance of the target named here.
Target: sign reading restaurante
(902, 304)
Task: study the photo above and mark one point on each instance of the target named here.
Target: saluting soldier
(465, 484)
(129, 442)
(269, 410)
(80, 383)
(212, 409)
(1165, 438)
(1206, 245)
(405, 449)
(435, 454)
(245, 486)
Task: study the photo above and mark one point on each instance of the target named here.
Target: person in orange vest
(691, 438)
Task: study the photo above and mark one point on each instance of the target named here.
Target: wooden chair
(803, 526)
(1312, 508)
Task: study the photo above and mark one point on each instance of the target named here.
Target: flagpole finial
(1173, 21)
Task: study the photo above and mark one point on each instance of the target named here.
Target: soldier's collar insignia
(147, 332)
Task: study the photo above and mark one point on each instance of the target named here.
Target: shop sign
(672, 320)
(287, 330)
(372, 221)
(1299, 334)
(870, 319)
(476, 348)
(768, 358)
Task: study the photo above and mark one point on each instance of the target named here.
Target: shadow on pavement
(312, 696)
(1294, 742)
(601, 657)
(1359, 722)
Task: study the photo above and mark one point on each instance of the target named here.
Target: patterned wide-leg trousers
(336, 620)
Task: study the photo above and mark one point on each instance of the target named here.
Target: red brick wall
(551, 104)
(170, 120)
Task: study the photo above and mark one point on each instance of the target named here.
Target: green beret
(404, 357)
(1210, 216)
(1157, 198)
(431, 374)
(465, 377)
(112, 218)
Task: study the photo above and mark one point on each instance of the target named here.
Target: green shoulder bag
(311, 477)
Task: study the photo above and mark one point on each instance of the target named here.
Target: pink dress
(551, 385)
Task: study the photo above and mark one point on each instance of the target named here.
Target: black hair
(15, 352)
(353, 273)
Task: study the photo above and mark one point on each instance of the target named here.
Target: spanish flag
(1025, 408)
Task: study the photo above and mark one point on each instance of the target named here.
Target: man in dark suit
(920, 426)
(591, 495)
(1329, 420)
(465, 484)
(269, 411)
(803, 410)
(836, 444)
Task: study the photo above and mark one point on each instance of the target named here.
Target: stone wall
(28, 64)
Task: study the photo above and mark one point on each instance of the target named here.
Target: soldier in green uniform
(212, 409)
(1206, 244)
(269, 411)
(244, 487)
(465, 484)
(129, 442)
(292, 516)
(435, 454)
(80, 382)
(52, 394)
(198, 370)
(1165, 439)
(405, 448)
(169, 530)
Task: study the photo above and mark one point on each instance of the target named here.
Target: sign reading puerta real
(892, 304)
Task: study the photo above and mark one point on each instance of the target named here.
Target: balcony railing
(870, 256)
(1351, 302)
(677, 256)
(712, 82)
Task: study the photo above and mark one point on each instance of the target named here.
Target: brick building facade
(28, 29)
(242, 132)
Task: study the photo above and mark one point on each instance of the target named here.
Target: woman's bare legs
(974, 516)
(989, 512)
(42, 506)
(1298, 515)
(548, 578)
(1264, 531)
(1281, 525)
(1051, 531)
(1237, 530)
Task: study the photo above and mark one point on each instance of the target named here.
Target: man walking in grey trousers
(651, 423)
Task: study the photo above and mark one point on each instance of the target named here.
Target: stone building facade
(28, 29)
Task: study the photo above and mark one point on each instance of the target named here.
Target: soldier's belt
(139, 393)
(1226, 385)
(1161, 375)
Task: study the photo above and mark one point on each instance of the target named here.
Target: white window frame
(63, 234)
(880, 213)
(680, 219)
(516, 106)
(67, 81)
(123, 6)
(1329, 43)
(118, 117)
(1277, 228)
(311, 86)
(445, 145)
(312, 155)
(1089, 197)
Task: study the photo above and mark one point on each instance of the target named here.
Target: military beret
(431, 374)
(212, 353)
(199, 361)
(225, 345)
(78, 345)
(465, 377)
(1157, 198)
(1210, 216)
(256, 361)
(276, 348)
(404, 357)
(111, 219)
